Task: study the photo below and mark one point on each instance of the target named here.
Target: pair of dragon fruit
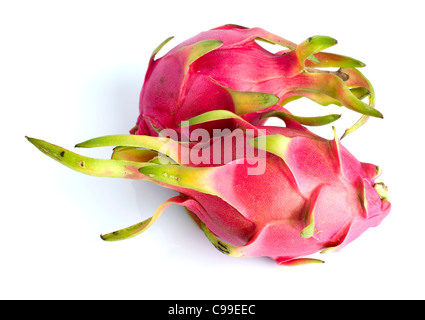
(255, 190)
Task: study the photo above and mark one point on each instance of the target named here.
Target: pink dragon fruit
(313, 195)
(225, 68)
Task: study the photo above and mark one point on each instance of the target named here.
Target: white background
(73, 70)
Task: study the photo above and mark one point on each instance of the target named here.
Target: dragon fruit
(225, 68)
(312, 195)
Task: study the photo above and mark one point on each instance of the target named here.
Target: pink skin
(265, 215)
(168, 95)
(202, 73)
(176, 90)
(314, 194)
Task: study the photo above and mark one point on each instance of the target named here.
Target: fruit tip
(331, 40)
(31, 140)
(107, 237)
(375, 113)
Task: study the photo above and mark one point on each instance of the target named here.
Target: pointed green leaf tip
(90, 166)
(140, 227)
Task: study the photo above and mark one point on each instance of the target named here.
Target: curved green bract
(313, 45)
(325, 100)
(216, 115)
(91, 166)
(197, 50)
(250, 101)
(140, 227)
(334, 87)
(357, 79)
(279, 41)
(161, 144)
(274, 143)
(308, 121)
(331, 60)
(298, 262)
(161, 45)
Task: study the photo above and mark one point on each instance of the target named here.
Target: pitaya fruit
(313, 195)
(225, 68)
